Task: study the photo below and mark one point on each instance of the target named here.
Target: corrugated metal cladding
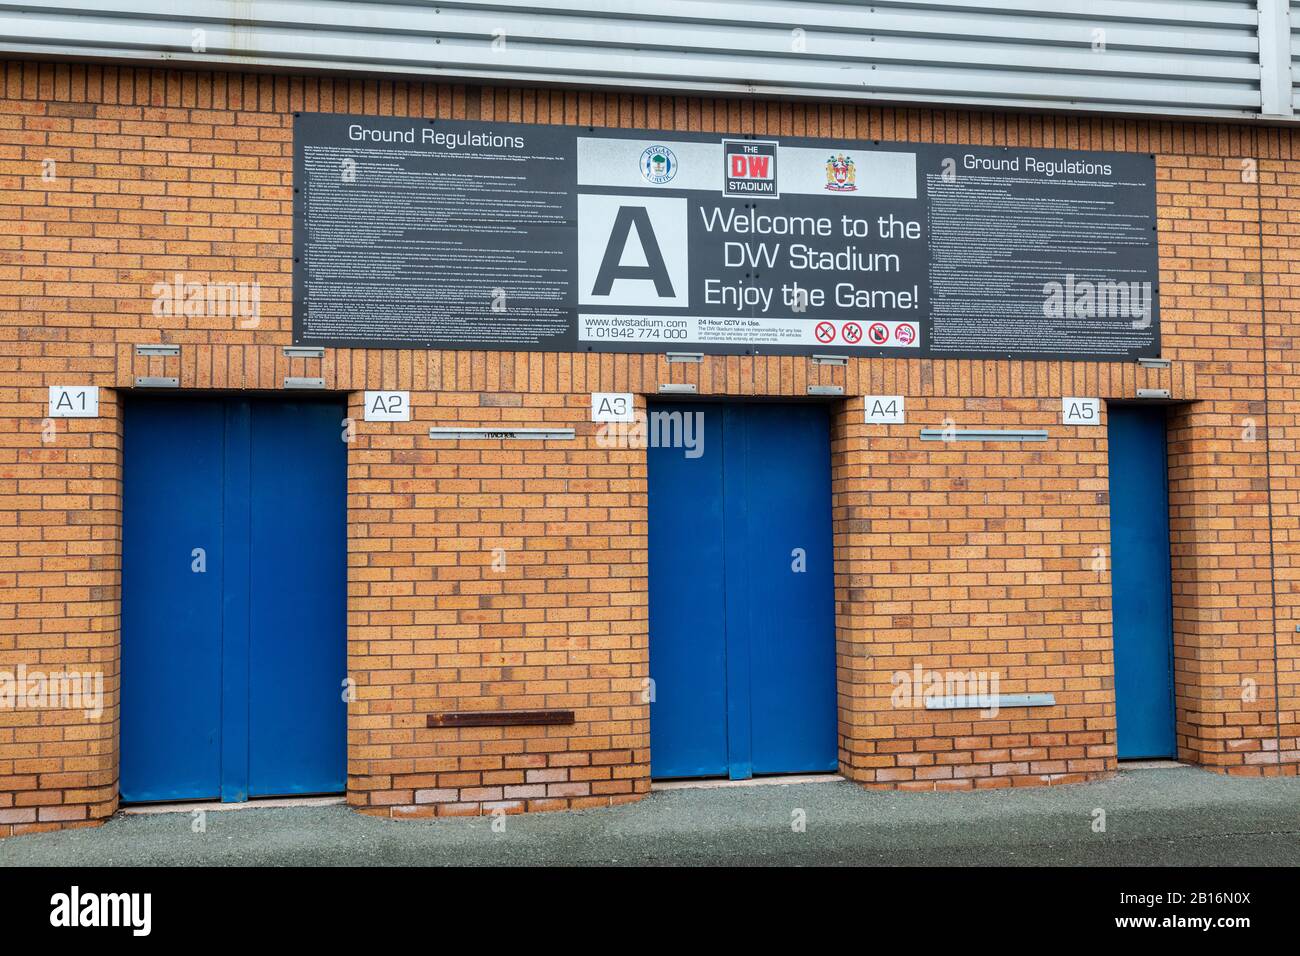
(1150, 57)
(1293, 10)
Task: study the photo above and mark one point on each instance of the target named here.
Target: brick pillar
(1225, 683)
(1279, 188)
(61, 540)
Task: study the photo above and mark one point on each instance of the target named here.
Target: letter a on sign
(611, 263)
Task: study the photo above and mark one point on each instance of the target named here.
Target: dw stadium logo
(749, 169)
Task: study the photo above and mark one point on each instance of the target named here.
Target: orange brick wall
(974, 557)
(966, 557)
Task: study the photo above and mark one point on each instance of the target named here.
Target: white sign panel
(884, 409)
(686, 164)
(624, 256)
(612, 407)
(1081, 411)
(74, 401)
(388, 406)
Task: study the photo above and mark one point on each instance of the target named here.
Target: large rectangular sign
(467, 235)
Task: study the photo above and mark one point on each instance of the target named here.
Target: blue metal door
(1140, 582)
(742, 650)
(688, 640)
(172, 553)
(233, 595)
(791, 600)
(297, 719)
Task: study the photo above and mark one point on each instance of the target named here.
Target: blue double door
(1141, 589)
(742, 621)
(233, 599)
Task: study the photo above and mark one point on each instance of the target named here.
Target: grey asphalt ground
(1174, 816)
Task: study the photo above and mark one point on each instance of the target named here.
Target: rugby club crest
(840, 173)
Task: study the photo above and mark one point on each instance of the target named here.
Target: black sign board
(414, 233)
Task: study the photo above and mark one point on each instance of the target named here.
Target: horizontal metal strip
(1207, 12)
(983, 434)
(500, 718)
(988, 701)
(1213, 104)
(462, 57)
(304, 351)
(455, 432)
(844, 36)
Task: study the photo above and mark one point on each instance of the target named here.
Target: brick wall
(969, 558)
(491, 577)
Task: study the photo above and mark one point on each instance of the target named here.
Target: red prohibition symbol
(825, 332)
(852, 332)
(878, 333)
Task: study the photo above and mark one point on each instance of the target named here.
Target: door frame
(1168, 580)
(737, 665)
(231, 399)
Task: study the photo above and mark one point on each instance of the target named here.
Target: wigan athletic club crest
(840, 173)
(658, 165)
